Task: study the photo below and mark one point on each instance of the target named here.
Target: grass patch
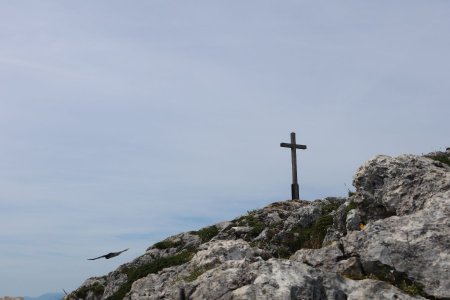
(307, 237)
(256, 225)
(250, 220)
(330, 207)
(166, 244)
(399, 279)
(412, 288)
(442, 157)
(97, 289)
(349, 207)
(197, 272)
(151, 268)
(310, 237)
(207, 233)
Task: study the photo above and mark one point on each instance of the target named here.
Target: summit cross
(294, 147)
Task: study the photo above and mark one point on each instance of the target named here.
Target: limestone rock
(325, 257)
(387, 186)
(408, 198)
(250, 277)
(353, 220)
(416, 245)
(331, 259)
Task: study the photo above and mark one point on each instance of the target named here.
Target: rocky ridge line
(389, 240)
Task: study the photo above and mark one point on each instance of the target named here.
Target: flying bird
(109, 255)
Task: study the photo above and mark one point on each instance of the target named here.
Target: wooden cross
(294, 147)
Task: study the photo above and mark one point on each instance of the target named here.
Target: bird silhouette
(109, 255)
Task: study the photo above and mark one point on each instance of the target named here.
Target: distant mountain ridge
(47, 296)
(388, 240)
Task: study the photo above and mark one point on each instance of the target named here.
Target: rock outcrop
(389, 240)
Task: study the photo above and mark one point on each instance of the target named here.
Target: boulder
(247, 276)
(387, 186)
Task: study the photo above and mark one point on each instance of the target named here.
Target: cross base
(295, 191)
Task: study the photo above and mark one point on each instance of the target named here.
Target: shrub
(399, 279)
(439, 156)
(350, 206)
(330, 207)
(255, 224)
(97, 289)
(166, 244)
(412, 288)
(309, 237)
(207, 233)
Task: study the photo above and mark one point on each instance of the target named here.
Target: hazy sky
(123, 122)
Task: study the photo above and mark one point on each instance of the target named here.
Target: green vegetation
(399, 279)
(241, 221)
(251, 221)
(256, 225)
(97, 289)
(166, 244)
(273, 229)
(384, 273)
(207, 233)
(307, 237)
(442, 157)
(328, 208)
(196, 273)
(310, 237)
(350, 206)
(412, 288)
(151, 268)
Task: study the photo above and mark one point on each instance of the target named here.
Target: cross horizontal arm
(287, 145)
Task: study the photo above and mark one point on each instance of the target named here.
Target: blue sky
(124, 122)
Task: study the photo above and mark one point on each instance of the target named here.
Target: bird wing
(96, 257)
(114, 254)
(109, 255)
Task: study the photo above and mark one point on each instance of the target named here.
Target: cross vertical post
(294, 187)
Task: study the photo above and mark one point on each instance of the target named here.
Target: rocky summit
(388, 240)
